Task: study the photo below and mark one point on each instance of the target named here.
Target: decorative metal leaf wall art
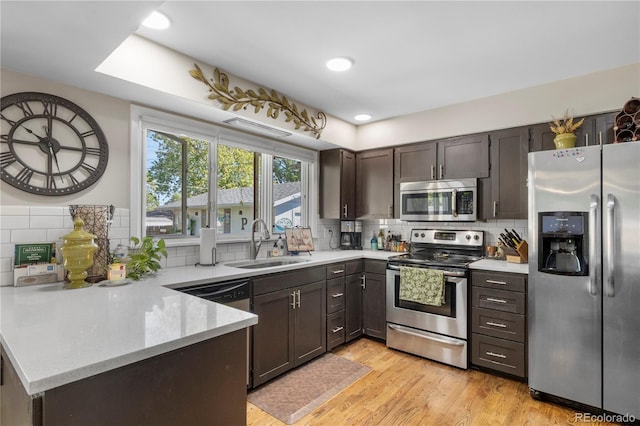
(238, 99)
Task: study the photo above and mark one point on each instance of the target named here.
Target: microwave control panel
(464, 202)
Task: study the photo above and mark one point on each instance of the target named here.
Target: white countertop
(500, 266)
(55, 336)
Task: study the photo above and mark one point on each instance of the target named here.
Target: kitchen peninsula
(143, 352)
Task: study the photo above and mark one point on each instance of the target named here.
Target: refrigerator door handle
(593, 258)
(611, 204)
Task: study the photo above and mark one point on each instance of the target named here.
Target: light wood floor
(403, 389)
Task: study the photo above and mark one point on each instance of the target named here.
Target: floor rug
(297, 393)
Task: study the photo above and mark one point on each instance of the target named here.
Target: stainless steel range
(434, 332)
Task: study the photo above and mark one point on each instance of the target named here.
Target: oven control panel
(459, 238)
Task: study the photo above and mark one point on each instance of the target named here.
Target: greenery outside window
(181, 159)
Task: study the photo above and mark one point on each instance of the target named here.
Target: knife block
(518, 255)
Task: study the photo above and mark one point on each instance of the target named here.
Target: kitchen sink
(264, 263)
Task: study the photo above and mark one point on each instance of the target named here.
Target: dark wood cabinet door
(541, 138)
(415, 162)
(604, 132)
(509, 150)
(310, 326)
(464, 157)
(353, 306)
(273, 351)
(337, 184)
(374, 318)
(596, 129)
(374, 184)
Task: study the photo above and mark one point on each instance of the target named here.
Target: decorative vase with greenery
(145, 257)
(565, 138)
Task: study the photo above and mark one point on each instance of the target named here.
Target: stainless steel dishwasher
(236, 294)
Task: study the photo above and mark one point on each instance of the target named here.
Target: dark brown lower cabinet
(353, 306)
(204, 383)
(374, 317)
(291, 327)
(499, 322)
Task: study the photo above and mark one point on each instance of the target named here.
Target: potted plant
(145, 256)
(565, 138)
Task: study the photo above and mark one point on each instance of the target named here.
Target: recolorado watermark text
(605, 417)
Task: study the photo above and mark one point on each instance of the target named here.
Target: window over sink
(175, 161)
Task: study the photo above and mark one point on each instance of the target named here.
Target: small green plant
(145, 257)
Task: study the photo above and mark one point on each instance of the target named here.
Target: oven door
(449, 319)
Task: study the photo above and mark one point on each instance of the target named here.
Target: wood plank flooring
(403, 389)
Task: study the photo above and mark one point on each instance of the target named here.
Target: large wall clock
(49, 145)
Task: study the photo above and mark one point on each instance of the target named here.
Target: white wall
(594, 93)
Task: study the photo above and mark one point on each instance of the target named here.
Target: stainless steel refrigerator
(584, 276)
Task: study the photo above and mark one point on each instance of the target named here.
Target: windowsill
(195, 241)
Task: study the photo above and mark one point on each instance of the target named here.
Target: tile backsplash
(25, 224)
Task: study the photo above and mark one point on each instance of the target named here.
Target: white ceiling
(409, 56)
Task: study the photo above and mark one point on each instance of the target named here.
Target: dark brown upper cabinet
(464, 157)
(337, 184)
(508, 181)
(596, 130)
(374, 184)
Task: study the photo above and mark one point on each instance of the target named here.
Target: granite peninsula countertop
(54, 336)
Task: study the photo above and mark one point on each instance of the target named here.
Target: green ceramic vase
(565, 140)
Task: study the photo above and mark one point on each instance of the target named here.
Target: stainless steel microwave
(439, 200)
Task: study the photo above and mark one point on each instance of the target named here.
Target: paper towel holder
(213, 256)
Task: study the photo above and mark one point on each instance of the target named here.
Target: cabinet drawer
(335, 271)
(335, 295)
(504, 325)
(335, 330)
(497, 280)
(375, 266)
(506, 301)
(354, 267)
(280, 281)
(498, 354)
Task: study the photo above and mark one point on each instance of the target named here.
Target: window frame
(143, 118)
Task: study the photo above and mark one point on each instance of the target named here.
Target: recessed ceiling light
(156, 21)
(362, 117)
(339, 64)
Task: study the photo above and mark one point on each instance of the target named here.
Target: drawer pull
(337, 295)
(496, 324)
(491, 299)
(496, 355)
(338, 271)
(496, 282)
(335, 330)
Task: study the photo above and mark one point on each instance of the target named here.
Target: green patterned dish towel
(422, 285)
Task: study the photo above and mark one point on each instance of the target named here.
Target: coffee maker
(563, 243)
(351, 235)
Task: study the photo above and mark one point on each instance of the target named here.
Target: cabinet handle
(364, 282)
(433, 172)
(600, 137)
(496, 355)
(335, 330)
(441, 171)
(496, 282)
(298, 298)
(293, 301)
(390, 210)
(586, 139)
(338, 271)
(337, 295)
(495, 208)
(491, 299)
(496, 324)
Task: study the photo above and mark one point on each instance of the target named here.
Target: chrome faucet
(254, 247)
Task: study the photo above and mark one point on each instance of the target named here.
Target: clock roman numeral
(4, 138)
(25, 175)
(7, 158)
(88, 133)
(8, 120)
(25, 107)
(88, 168)
(92, 151)
(73, 179)
(50, 108)
(51, 182)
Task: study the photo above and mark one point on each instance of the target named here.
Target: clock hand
(55, 158)
(31, 132)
